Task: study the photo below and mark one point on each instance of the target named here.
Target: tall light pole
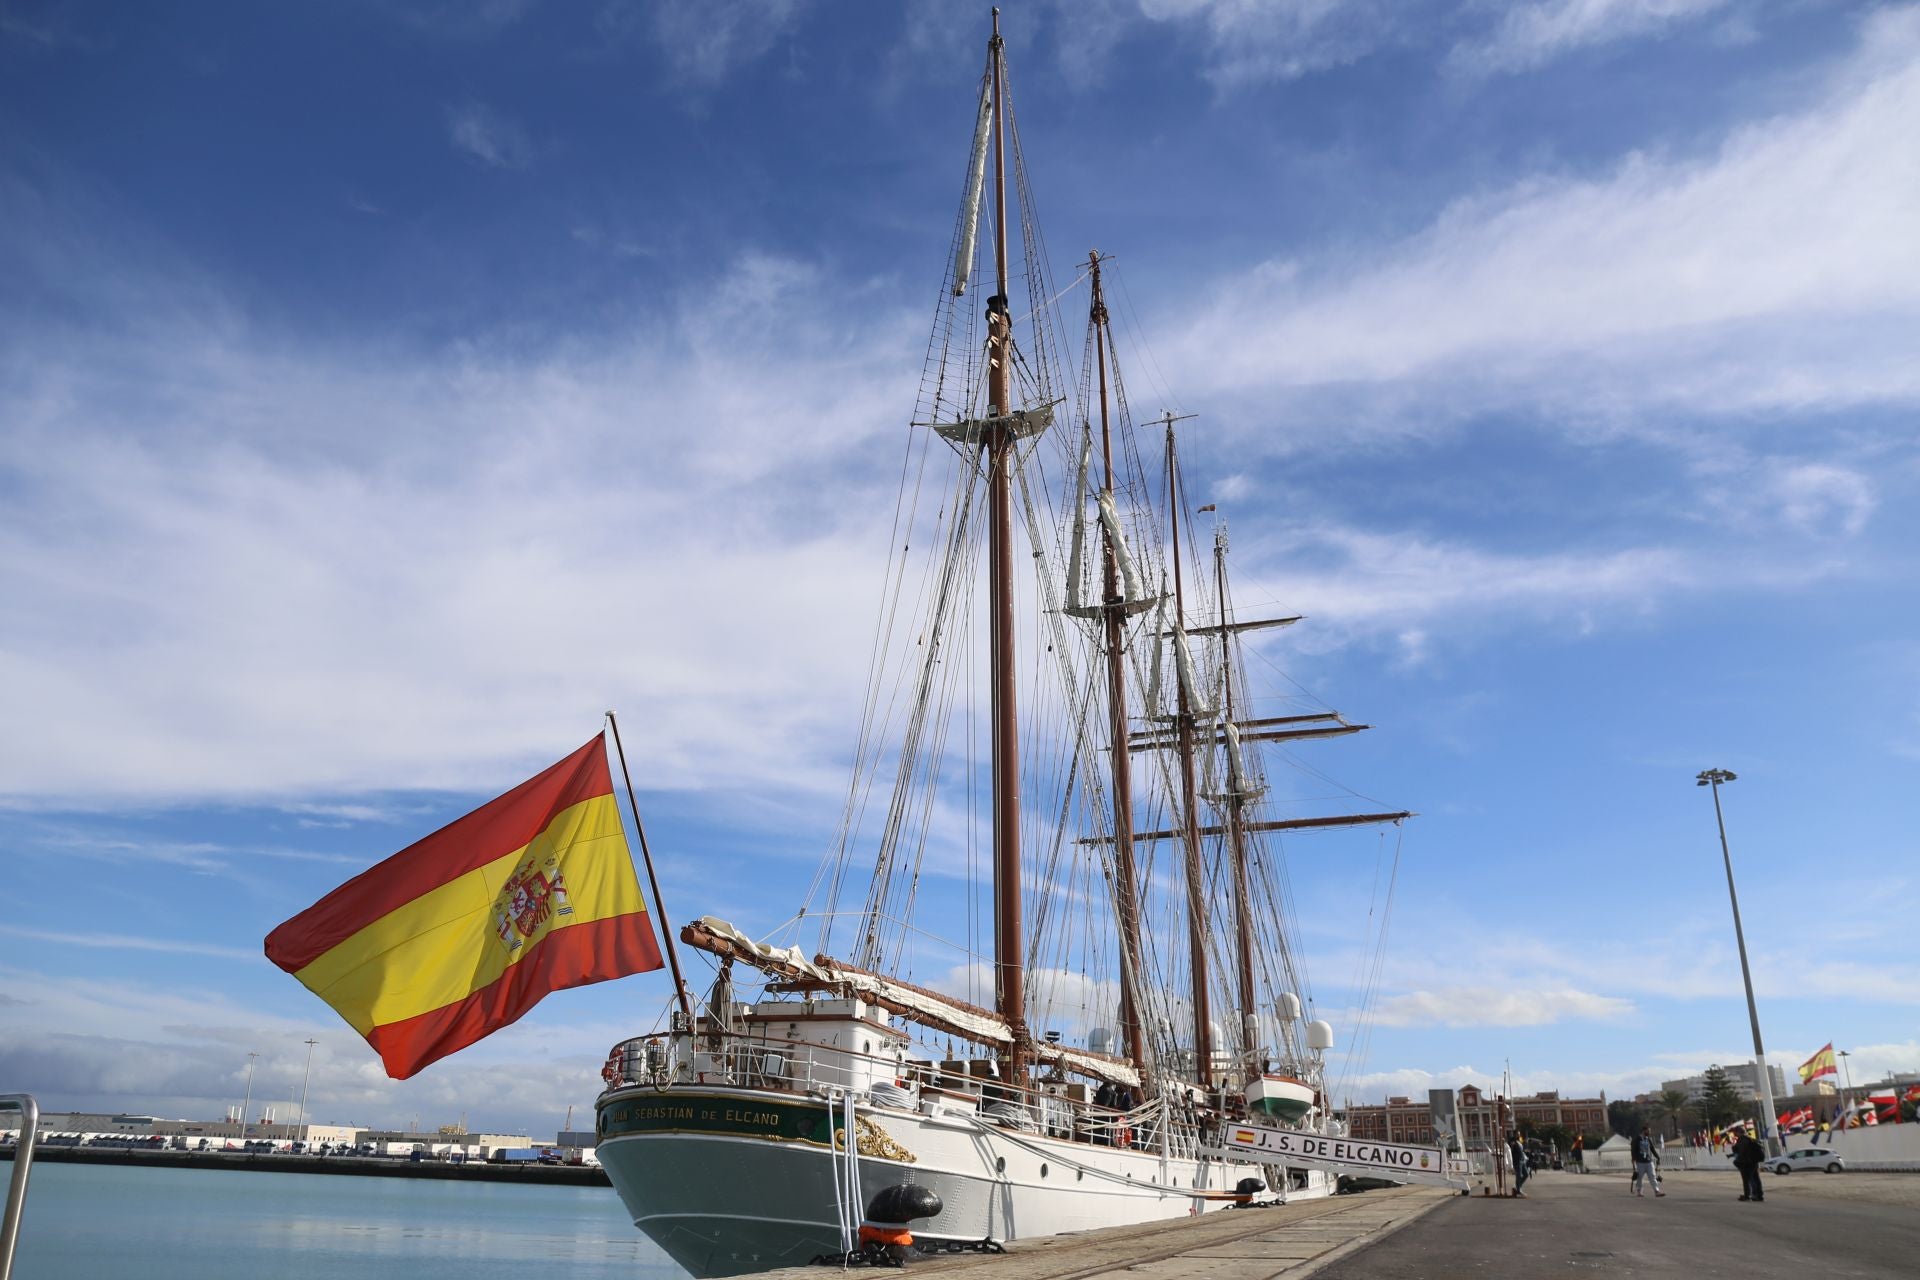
(304, 1082)
(248, 1100)
(1769, 1123)
(1846, 1099)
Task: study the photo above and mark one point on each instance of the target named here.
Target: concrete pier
(1241, 1244)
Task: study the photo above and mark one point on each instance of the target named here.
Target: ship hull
(730, 1182)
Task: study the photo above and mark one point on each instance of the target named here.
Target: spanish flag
(1820, 1064)
(459, 935)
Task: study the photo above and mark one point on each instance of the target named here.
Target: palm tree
(1673, 1104)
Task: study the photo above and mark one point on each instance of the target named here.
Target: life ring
(609, 1072)
(1122, 1136)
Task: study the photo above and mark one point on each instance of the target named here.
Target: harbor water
(221, 1224)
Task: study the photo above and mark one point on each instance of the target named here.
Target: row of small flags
(1877, 1109)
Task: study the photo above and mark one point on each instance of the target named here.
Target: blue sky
(386, 389)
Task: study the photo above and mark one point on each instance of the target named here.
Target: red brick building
(1405, 1120)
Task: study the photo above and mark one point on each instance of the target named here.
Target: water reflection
(213, 1224)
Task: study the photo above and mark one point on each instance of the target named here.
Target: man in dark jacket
(1518, 1154)
(1747, 1157)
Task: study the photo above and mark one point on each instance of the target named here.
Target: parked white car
(1808, 1158)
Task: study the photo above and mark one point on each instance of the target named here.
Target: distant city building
(106, 1124)
(1744, 1076)
(220, 1132)
(477, 1144)
(1405, 1120)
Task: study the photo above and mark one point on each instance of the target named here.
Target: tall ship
(1050, 956)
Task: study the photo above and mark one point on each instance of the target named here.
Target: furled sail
(1236, 785)
(1153, 672)
(1129, 576)
(1076, 556)
(976, 188)
(1183, 660)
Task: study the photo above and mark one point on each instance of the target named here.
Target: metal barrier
(22, 1166)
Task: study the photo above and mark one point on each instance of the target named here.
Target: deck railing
(22, 1167)
(756, 1059)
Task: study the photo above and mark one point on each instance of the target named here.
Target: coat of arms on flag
(461, 933)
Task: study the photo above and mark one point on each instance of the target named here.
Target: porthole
(1043, 1171)
(1000, 1165)
(1079, 1175)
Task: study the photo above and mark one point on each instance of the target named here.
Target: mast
(1196, 884)
(1236, 798)
(1113, 614)
(999, 444)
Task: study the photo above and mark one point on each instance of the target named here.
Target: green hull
(1282, 1108)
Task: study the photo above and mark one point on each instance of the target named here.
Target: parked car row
(414, 1151)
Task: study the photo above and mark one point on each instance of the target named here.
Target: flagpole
(1770, 1119)
(646, 854)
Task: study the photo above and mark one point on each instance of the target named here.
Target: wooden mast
(1113, 617)
(999, 444)
(1196, 883)
(1236, 799)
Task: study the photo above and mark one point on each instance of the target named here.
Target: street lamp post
(1769, 1124)
(247, 1101)
(304, 1082)
(1846, 1099)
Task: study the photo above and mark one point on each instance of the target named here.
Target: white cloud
(702, 41)
(1257, 41)
(488, 136)
(1613, 1082)
(1529, 36)
(182, 1051)
(128, 942)
(1502, 1006)
(1818, 497)
(1685, 959)
(1779, 272)
(307, 576)
(1354, 580)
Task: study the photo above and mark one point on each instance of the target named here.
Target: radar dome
(1319, 1035)
(1289, 1007)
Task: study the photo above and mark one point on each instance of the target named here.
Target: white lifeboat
(1281, 1097)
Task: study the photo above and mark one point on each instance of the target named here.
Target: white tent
(1615, 1153)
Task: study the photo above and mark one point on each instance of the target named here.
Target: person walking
(1747, 1157)
(1521, 1168)
(1579, 1152)
(1646, 1162)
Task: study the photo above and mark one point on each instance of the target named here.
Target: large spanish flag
(1820, 1064)
(459, 935)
